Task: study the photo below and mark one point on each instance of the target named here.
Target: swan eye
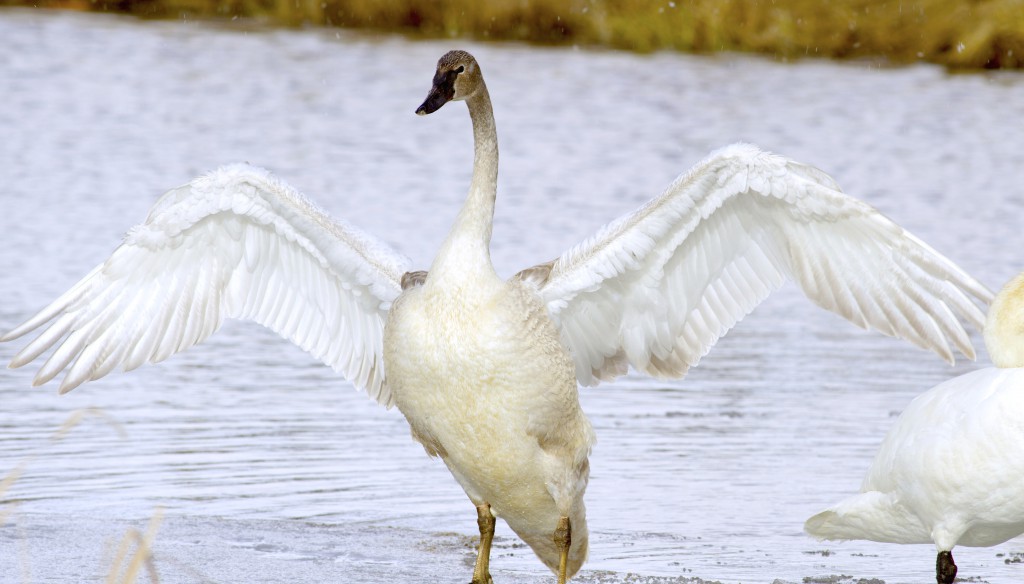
(460, 69)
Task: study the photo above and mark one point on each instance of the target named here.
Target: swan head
(458, 77)
(1004, 327)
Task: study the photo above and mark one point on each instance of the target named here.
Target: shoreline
(962, 36)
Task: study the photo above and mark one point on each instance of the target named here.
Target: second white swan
(950, 471)
(484, 369)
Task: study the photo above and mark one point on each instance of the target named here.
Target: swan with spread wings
(486, 370)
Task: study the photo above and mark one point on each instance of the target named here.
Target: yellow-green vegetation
(957, 33)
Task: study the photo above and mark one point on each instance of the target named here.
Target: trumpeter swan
(950, 471)
(486, 370)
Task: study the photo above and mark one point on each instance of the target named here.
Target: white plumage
(237, 243)
(486, 370)
(658, 287)
(950, 471)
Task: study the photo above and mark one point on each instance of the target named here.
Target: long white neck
(1004, 328)
(466, 251)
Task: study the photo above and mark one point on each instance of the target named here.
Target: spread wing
(237, 243)
(656, 288)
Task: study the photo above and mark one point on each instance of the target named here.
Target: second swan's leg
(484, 519)
(945, 569)
(563, 539)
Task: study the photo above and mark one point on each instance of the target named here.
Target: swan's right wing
(658, 287)
(237, 243)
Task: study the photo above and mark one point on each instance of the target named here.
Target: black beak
(435, 99)
(441, 93)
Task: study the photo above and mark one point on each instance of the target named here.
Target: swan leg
(485, 520)
(563, 539)
(945, 569)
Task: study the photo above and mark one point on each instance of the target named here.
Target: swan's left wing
(657, 288)
(237, 243)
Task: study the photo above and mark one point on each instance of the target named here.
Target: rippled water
(271, 468)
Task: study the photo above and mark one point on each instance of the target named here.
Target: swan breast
(476, 373)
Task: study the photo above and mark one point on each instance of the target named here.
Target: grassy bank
(957, 33)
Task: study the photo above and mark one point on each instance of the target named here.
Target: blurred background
(957, 33)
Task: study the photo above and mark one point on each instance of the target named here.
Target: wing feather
(657, 288)
(237, 243)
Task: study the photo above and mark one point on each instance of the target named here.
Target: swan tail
(873, 516)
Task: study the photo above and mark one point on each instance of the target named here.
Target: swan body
(950, 470)
(511, 432)
(486, 370)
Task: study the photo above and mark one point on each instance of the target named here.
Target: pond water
(269, 467)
